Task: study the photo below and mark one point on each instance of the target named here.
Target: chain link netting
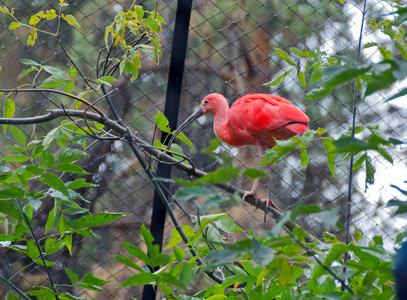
(230, 51)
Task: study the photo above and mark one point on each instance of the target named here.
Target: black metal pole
(179, 48)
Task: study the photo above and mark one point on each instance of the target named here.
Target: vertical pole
(179, 48)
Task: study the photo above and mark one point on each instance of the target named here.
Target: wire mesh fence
(230, 51)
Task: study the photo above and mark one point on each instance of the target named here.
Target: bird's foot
(271, 203)
(250, 193)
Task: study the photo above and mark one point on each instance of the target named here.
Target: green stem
(16, 289)
(39, 249)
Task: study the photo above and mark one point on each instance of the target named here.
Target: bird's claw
(271, 203)
(250, 193)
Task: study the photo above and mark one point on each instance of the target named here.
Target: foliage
(29, 178)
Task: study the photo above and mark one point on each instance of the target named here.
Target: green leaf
(350, 144)
(54, 71)
(254, 173)
(72, 275)
(34, 203)
(216, 201)
(227, 224)
(359, 160)
(79, 183)
(318, 93)
(52, 246)
(220, 175)
(35, 169)
(25, 73)
(326, 215)
(53, 81)
(301, 77)
(385, 74)
(106, 80)
(128, 262)
(43, 293)
(278, 80)
(29, 62)
(184, 138)
(75, 211)
(8, 111)
(192, 192)
(90, 220)
(131, 68)
(137, 252)
(73, 72)
(330, 147)
(152, 24)
(14, 25)
(16, 148)
(330, 238)
(90, 287)
(176, 237)
(397, 95)
(70, 168)
(70, 155)
(358, 235)
(92, 280)
(282, 148)
(139, 279)
(285, 56)
(16, 157)
(71, 20)
(171, 280)
(339, 74)
(55, 182)
(69, 87)
(286, 273)
(47, 160)
(11, 193)
(18, 135)
(32, 250)
(52, 219)
(179, 253)
(32, 37)
(162, 122)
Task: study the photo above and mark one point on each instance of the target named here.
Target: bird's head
(212, 103)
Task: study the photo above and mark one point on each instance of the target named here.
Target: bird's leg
(253, 191)
(270, 201)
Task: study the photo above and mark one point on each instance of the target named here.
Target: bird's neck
(220, 124)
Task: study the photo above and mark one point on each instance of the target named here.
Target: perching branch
(160, 155)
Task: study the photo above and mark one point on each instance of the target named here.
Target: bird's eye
(206, 101)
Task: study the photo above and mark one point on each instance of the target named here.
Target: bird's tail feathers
(297, 127)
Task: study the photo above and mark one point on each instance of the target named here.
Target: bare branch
(55, 92)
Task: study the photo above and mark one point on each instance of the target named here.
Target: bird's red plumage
(264, 117)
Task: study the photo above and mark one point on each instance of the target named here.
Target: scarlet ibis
(255, 119)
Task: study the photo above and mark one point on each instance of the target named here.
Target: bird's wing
(259, 113)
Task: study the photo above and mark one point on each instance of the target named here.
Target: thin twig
(355, 97)
(73, 63)
(15, 288)
(36, 90)
(37, 244)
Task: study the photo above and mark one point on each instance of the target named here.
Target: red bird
(255, 119)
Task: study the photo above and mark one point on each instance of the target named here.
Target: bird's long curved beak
(199, 112)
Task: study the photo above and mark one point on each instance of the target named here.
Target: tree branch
(123, 131)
